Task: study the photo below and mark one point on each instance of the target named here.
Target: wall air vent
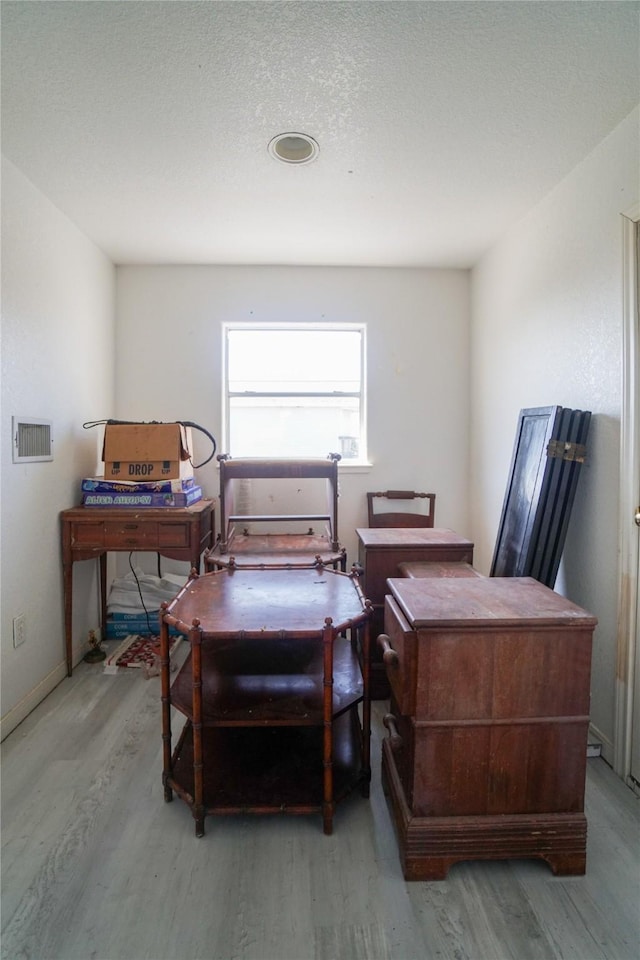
(32, 439)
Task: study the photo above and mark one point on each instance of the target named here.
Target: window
(294, 390)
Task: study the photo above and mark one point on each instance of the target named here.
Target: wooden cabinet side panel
(455, 675)
(502, 674)
(543, 673)
(382, 564)
(492, 770)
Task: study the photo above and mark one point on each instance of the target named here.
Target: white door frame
(628, 647)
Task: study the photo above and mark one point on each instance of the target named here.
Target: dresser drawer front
(401, 673)
(131, 535)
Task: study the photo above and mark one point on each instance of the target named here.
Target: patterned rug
(138, 651)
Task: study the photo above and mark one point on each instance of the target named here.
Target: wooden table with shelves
(178, 533)
(274, 696)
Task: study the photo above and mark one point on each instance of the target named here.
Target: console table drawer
(87, 535)
(132, 534)
(174, 534)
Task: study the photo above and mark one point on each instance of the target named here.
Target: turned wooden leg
(199, 818)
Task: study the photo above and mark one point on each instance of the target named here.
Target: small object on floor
(139, 651)
(95, 653)
(153, 669)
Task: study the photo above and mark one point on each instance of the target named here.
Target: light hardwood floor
(96, 866)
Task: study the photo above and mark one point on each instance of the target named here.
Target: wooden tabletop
(502, 601)
(270, 602)
(410, 536)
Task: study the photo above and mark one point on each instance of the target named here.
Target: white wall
(58, 302)
(169, 337)
(546, 304)
(547, 329)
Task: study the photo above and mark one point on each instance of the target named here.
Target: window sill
(351, 466)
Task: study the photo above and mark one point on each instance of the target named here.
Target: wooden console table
(270, 693)
(179, 533)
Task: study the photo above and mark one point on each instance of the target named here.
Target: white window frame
(360, 328)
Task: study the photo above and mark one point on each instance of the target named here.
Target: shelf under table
(284, 549)
(250, 682)
(269, 769)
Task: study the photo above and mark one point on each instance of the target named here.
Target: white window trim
(359, 464)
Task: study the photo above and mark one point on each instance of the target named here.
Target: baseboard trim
(596, 736)
(17, 714)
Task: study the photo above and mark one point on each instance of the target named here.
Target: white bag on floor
(124, 595)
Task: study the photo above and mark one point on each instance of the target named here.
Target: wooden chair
(238, 545)
(404, 517)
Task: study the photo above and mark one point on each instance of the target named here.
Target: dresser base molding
(429, 846)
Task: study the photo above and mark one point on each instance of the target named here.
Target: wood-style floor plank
(96, 866)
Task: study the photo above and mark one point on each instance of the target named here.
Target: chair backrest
(401, 517)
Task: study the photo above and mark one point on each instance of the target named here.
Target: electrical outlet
(19, 630)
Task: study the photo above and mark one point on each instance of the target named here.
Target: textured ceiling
(439, 124)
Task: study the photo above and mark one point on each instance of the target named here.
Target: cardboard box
(147, 451)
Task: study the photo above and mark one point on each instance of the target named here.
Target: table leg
(366, 709)
(327, 747)
(165, 684)
(67, 590)
(198, 809)
(102, 573)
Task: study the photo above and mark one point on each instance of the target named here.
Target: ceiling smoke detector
(294, 148)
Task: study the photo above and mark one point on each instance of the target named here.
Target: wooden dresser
(486, 753)
(380, 551)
